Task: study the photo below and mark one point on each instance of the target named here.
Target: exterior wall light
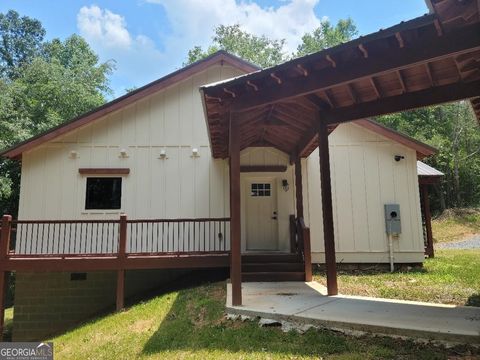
(123, 153)
(285, 185)
(195, 152)
(73, 154)
(399, 157)
(163, 154)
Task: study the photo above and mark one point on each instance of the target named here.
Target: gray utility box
(393, 223)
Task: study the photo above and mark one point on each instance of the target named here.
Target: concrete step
(273, 276)
(273, 267)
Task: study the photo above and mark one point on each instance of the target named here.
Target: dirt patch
(141, 326)
(458, 212)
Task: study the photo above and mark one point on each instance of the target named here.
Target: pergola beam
(235, 221)
(431, 48)
(412, 100)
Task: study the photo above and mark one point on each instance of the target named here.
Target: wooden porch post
(327, 209)
(122, 246)
(298, 187)
(428, 220)
(235, 230)
(4, 248)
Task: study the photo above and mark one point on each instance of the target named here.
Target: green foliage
(267, 52)
(21, 39)
(42, 84)
(258, 49)
(327, 36)
(454, 131)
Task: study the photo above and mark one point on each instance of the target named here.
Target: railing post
(4, 248)
(307, 254)
(5, 236)
(122, 246)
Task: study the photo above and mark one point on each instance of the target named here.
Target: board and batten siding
(180, 186)
(365, 176)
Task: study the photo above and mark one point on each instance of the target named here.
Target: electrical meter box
(393, 225)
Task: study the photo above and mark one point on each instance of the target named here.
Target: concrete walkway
(307, 303)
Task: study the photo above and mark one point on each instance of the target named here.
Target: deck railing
(300, 241)
(32, 238)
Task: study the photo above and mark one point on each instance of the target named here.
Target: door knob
(274, 217)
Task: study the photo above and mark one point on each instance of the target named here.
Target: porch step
(272, 267)
(273, 276)
(270, 258)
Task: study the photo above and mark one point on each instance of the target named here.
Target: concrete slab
(307, 303)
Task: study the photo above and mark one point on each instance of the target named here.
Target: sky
(150, 38)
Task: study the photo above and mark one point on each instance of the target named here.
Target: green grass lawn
(456, 224)
(452, 277)
(190, 323)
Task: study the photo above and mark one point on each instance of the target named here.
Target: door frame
(248, 179)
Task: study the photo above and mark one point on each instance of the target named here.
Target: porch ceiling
(425, 61)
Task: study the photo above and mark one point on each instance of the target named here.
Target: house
(237, 174)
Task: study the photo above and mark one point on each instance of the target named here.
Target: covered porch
(294, 106)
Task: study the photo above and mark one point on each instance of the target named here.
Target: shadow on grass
(196, 322)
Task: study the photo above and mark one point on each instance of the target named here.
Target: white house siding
(365, 176)
(180, 186)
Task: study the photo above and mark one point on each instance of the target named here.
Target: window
(103, 193)
(260, 190)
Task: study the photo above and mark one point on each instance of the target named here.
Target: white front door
(261, 214)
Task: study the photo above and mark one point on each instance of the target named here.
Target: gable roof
(221, 57)
(423, 150)
(15, 152)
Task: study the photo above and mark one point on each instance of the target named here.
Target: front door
(261, 215)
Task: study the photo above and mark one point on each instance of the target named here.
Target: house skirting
(50, 302)
(371, 257)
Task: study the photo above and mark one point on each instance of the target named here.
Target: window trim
(102, 210)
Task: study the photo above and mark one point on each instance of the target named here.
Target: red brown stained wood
(263, 168)
(456, 42)
(122, 246)
(132, 262)
(428, 220)
(5, 236)
(307, 250)
(327, 208)
(411, 100)
(235, 230)
(104, 171)
(120, 289)
(299, 187)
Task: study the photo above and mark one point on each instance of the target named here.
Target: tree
(266, 52)
(259, 50)
(21, 39)
(50, 83)
(326, 36)
(453, 130)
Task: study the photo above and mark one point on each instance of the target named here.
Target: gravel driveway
(471, 243)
